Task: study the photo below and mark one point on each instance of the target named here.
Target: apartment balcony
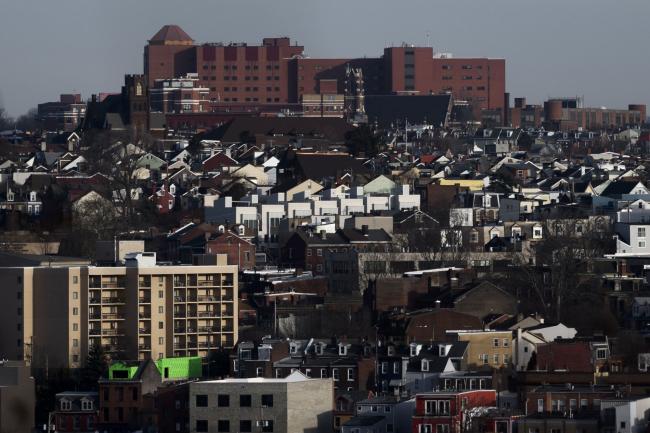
(179, 298)
(112, 316)
(205, 344)
(208, 299)
(206, 283)
(94, 300)
(95, 316)
(180, 314)
(180, 330)
(109, 285)
(145, 330)
(144, 346)
(227, 298)
(179, 346)
(144, 299)
(111, 348)
(113, 300)
(207, 314)
(144, 315)
(226, 329)
(191, 298)
(112, 332)
(190, 330)
(94, 332)
(208, 329)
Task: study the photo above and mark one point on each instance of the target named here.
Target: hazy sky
(595, 48)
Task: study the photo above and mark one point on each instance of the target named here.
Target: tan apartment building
(295, 403)
(487, 348)
(138, 310)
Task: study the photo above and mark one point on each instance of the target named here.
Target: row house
(350, 366)
(449, 412)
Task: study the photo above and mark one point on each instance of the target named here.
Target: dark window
(245, 426)
(245, 400)
(201, 425)
(201, 400)
(267, 400)
(134, 393)
(105, 393)
(223, 425)
(223, 400)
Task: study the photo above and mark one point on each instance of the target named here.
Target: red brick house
(218, 162)
(445, 412)
(163, 200)
(241, 252)
(76, 411)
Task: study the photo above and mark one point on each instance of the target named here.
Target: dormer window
(86, 405)
(391, 350)
(221, 229)
(32, 196)
(537, 232)
(66, 405)
(414, 350)
(425, 365)
(293, 348)
(442, 351)
(319, 349)
(10, 196)
(242, 230)
(343, 350)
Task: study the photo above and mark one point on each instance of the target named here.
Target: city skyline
(541, 62)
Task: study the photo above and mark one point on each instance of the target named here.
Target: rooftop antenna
(428, 37)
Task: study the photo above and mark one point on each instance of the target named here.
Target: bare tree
(559, 273)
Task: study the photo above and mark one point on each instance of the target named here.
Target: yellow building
(472, 184)
(55, 314)
(486, 348)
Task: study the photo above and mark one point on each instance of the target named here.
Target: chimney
(364, 229)
(323, 234)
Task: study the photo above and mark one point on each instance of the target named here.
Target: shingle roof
(171, 33)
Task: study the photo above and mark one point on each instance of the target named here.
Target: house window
(201, 400)
(267, 400)
(601, 353)
(350, 374)
(245, 400)
(223, 400)
(442, 428)
(323, 373)
(395, 367)
(425, 428)
(335, 374)
(223, 425)
(641, 232)
(259, 372)
(245, 426)
(495, 342)
(66, 405)
(384, 367)
(506, 342)
(425, 365)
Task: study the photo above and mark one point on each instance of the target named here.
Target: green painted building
(169, 369)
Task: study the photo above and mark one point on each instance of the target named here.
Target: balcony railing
(144, 315)
(208, 299)
(208, 329)
(145, 331)
(95, 332)
(179, 330)
(144, 299)
(179, 346)
(179, 298)
(94, 300)
(208, 314)
(144, 346)
(112, 332)
(113, 300)
(111, 316)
